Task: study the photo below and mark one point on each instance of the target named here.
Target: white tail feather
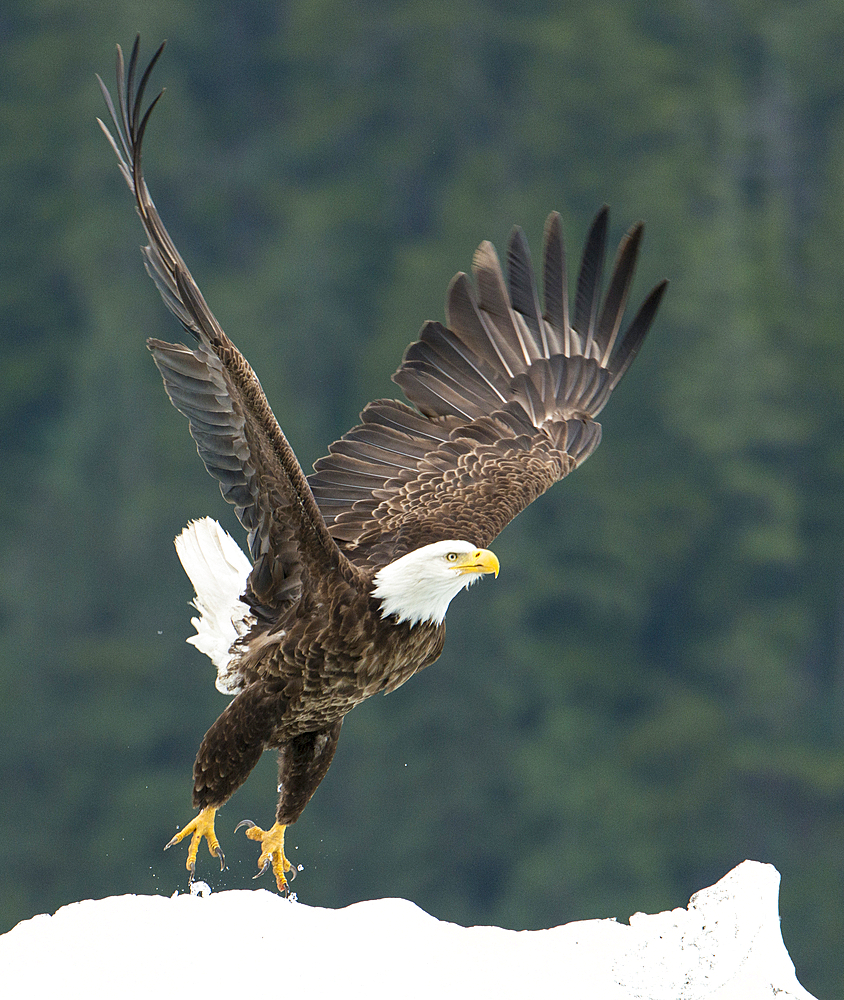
(218, 569)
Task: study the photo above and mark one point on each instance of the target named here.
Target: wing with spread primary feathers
(507, 396)
(236, 434)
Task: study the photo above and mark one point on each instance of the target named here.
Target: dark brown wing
(236, 434)
(507, 397)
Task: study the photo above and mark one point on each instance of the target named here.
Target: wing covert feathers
(507, 393)
(506, 396)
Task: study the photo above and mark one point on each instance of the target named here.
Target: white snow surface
(725, 946)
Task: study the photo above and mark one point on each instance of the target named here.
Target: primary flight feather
(351, 569)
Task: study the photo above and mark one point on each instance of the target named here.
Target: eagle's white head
(419, 587)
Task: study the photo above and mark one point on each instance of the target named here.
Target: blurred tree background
(653, 690)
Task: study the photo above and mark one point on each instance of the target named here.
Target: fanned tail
(218, 570)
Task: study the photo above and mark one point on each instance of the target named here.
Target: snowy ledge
(725, 946)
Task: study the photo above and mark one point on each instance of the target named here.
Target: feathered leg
(227, 754)
(302, 764)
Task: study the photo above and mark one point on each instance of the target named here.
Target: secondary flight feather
(351, 569)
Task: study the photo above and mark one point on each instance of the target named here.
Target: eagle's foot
(272, 852)
(202, 825)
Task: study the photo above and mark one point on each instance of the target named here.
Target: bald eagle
(351, 569)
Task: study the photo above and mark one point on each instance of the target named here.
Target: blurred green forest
(653, 690)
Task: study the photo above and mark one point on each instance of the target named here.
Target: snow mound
(725, 946)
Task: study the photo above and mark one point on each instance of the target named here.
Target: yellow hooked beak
(480, 561)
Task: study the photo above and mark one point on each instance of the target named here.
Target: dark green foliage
(653, 690)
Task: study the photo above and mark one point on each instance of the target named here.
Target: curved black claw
(266, 864)
(221, 857)
(244, 822)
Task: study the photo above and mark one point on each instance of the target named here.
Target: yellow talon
(202, 825)
(272, 851)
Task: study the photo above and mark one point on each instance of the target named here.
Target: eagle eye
(452, 557)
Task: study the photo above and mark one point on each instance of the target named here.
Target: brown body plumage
(505, 399)
(300, 677)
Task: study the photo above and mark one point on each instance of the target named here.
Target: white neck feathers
(419, 586)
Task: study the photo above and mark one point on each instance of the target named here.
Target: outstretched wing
(507, 397)
(236, 433)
